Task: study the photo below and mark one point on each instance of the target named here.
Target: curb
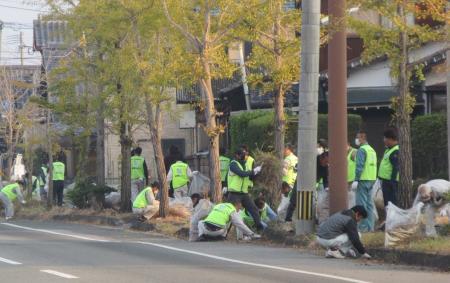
(434, 261)
(102, 220)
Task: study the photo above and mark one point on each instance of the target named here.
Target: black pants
(292, 206)
(58, 192)
(248, 204)
(389, 189)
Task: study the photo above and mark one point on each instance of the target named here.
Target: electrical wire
(21, 8)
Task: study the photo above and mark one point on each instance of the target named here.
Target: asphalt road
(58, 252)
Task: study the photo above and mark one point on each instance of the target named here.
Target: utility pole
(337, 106)
(447, 58)
(21, 47)
(307, 125)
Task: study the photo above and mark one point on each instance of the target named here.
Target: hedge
(429, 143)
(255, 129)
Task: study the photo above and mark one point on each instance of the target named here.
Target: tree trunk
(279, 122)
(100, 146)
(154, 124)
(404, 121)
(9, 164)
(212, 130)
(50, 163)
(125, 176)
(279, 119)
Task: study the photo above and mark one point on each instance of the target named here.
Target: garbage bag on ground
(112, 200)
(401, 224)
(323, 205)
(282, 208)
(200, 184)
(183, 201)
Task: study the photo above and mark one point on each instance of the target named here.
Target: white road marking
(56, 233)
(60, 274)
(323, 275)
(5, 260)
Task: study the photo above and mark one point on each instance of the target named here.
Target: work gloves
(257, 170)
(354, 185)
(23, 202)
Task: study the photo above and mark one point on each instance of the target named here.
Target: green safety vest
(224, 167)
(58, 171)
(351, 166)
(291, 176)
(221, 214)
(248, 167)
(386, 167)
(137, 167)
(369, 172)
(8, 190)
(248, 219)
(42, 181)
(141, 199)
(179, 174)
(235, 183)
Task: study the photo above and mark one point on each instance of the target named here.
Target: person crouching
(219, 220)
(339, 234)
(145, 204)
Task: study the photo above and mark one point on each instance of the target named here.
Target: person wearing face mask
(237, 181)
(365, 177)
(322, 146)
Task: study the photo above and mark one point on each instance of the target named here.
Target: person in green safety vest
(179, 176)
(289, 165)
(59, 175)
(145, 205)
(388, 171)
(8, 194)
(365, 177)
(237, 185)
(224, 167)
(266, 213)
(139, 172)
(219, 220)
(351, 168)
(249, 165)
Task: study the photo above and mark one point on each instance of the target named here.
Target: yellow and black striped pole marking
(305, 205)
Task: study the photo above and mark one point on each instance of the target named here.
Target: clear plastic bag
(283, 207)
(401, 224)
(323, 205)
(200, 184)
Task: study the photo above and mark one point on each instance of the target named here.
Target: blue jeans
(364, 198)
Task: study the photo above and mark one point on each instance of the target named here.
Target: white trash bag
(283, 207)
(401, 224)
(377, 198)
(200, 184)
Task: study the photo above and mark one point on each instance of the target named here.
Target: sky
(18, 19)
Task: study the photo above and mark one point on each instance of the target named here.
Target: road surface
(58, 252)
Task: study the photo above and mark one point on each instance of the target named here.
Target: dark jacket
(241, 173)
(343, 222)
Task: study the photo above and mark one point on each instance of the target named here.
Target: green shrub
(84, 192)
(255, 128)
(429, 144)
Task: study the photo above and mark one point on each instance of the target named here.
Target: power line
(21, 8)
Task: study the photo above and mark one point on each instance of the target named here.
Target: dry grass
(440, 245)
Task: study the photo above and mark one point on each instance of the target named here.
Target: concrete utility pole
(307, 126)
(447, 58)
(244, 76)
(337, 106)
